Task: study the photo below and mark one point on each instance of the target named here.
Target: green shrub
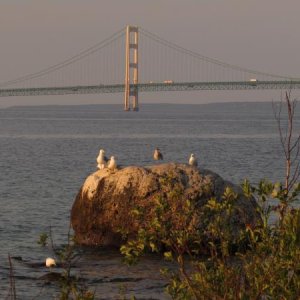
(261, 262)
(264, 265)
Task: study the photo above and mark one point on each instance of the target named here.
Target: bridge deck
(151, 87)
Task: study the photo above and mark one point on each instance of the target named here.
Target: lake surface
(47, 152)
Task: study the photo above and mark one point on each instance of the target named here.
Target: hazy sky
(262, 35)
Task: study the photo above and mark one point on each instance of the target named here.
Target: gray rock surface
(105, 200)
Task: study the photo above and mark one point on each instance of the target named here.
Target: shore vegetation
(263, 261)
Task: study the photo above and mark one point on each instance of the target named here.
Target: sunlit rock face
(104, 203)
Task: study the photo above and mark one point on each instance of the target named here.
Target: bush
(263, 262)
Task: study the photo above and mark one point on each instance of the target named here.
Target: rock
(52, 277)
(106, 199)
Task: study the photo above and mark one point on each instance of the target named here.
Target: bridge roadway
(152, 87)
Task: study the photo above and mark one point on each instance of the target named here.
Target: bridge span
(151, 87)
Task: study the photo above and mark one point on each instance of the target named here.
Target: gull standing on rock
(157, 155)
(193, 161)
(101, 160)
(112, 164)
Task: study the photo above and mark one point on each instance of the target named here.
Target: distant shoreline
(142, 105)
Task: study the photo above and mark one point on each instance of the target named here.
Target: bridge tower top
(131, 68)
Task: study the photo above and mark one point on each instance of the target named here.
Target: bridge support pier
(131, 69)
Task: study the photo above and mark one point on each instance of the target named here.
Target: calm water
(46, 153)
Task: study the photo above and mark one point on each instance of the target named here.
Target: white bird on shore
(193, 161)
(50, 262)
(157, 155)
(112, 164)
(101, 159)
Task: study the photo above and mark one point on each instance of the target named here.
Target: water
(47, 152)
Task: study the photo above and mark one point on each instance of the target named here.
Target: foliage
(263, 260)
(12, 294)
(43, 239)
(71, 287)
(290, 144)
(267, 268)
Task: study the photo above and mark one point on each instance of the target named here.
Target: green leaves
(168, 256)
(247, 188)
(132, 251)
(262, 261)
(43, 239)
(264, 190)
(229, 195)
(213, 205)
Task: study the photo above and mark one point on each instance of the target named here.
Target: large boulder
(107, 198)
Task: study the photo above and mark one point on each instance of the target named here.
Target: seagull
(50, 262)
(157, 154)
(193, 160)
(101, 159)
(112, 164)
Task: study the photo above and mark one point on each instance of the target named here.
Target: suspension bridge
(135, 60)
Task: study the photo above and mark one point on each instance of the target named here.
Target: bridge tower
(131, 69)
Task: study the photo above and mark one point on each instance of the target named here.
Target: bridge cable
(68, 61)
(208, 59)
